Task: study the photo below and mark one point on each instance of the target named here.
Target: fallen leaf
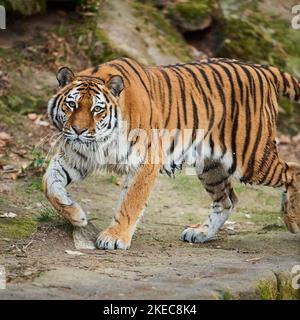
(74, 253)
(230, 222)
(32, 116)
(253, 259)
(40, 122)
(230, 228)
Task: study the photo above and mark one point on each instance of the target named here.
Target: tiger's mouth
(78, 138)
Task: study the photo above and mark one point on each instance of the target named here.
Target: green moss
(26, 8)
(260, 36)
(23, 103)
(190, 14)
(17, 228)
(279, 288)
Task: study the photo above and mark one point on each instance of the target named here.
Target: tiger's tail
(287, 85)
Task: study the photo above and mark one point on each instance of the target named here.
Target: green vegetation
(228, 296)
(26, 8)
(279, 288)
(47, 214)
(191, 14)
(17, 228)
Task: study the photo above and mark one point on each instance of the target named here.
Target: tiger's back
(234, 103)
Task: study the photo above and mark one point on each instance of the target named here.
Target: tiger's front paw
(75, 215)
(109, 239)
(197, 234)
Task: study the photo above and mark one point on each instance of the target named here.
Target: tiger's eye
(97, 109)
(72, 104)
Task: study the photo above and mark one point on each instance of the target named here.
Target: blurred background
(42, 35)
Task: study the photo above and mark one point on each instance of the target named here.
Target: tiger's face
(86, 108)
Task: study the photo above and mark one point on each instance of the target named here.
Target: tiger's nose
(79, 130)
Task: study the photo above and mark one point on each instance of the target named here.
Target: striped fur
(235, 104)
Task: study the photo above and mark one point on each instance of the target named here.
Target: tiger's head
(85, 108)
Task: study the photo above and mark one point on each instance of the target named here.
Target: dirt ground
(244, 261)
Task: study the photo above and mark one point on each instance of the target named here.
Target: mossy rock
(167, 38)
(192, 15)
(26, 8)
(243, 40)
(279, 288)
(17, 228)
(253, 36)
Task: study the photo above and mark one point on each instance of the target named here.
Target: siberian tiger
(234, 103)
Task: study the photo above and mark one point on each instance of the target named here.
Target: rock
(192, 15)
(85, 237)
(136, 40)
(197, 54)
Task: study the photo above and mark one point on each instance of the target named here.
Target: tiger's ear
(116, 85)
(64, 76)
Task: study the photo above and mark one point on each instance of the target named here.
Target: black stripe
(222, 122)
(200, 90)
(204, 76)
(110, 117)
(182, 93)
(167, 79)
(232, 95)
(138, 75)
(69, 180)
(195, 118)
(216, 72)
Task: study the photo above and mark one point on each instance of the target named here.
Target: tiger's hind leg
(216, 182)
(285, 175)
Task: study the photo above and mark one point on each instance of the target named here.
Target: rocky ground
(253, 255)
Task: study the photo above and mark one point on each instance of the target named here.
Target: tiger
(233, 103)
